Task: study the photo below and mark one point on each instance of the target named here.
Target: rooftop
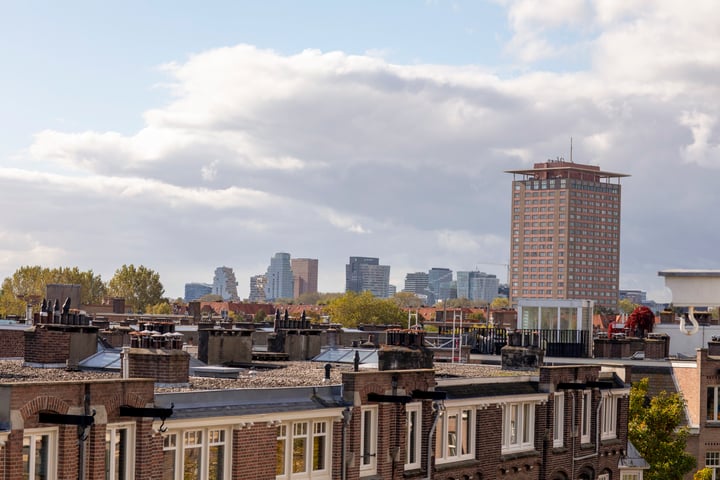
(286, 374)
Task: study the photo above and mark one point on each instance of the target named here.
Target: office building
(366, 274)
(477, 286)
(305, 275)
(417, 283)
(225, 284)
(565, 233)
(257, 288)
(195, 291)
(279, 277)
(440, 285)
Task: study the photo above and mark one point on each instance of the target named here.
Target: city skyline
(347, 129)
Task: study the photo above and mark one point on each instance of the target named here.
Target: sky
(184, 135)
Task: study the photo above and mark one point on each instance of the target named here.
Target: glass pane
(367, 437)
(527, 423)
(452, 435)
(465, 431)
(216, 462)
(26, 457)
(513, 424)
(412, 447)
(192, 461)
(168, 465)
(299, 455)
(280, 469)
(711, 410)
(120, 454)
(319, 452)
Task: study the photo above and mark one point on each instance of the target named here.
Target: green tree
(407, 300)
(161, 308)
(654, 427)
(626, 306)
(259, 316)
(499, 302)
(703, 474)
(28, 285)
(139, 287)
(353, 309)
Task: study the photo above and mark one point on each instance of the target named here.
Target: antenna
(571, 160)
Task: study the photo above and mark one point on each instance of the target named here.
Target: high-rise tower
(305, 275)
(366, 273)
(279, 277)
(565, 233)
(225, 284)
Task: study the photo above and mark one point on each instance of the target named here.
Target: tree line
(139, 286)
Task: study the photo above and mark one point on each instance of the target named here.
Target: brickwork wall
(12, 343)
(45, 346)
(28, 400)
(165, 366)
(254, 453)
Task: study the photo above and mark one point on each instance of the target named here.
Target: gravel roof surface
(290, 374)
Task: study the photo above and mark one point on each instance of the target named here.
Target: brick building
(553, 423)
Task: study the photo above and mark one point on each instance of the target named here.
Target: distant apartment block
(279, 277)
(257, 288)
(305, 275)
(565, 234)
(225, 284)
(478, 286)
(366, 274)
(194, 291)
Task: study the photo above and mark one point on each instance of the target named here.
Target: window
(628, 476)
(518, 426)
(603, 476)
(197, 453)
(414, 440)
(559, 420)
(713, 404)
(302, 450)
(454, 437)
(586, 416)
(39, 454)
(609, 416)
(368, 440)
(118, 452)
(712, 461)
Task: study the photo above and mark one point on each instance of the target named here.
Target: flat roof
(576, 166)
(687, 272)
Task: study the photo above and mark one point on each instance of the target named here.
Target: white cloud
(329, 154)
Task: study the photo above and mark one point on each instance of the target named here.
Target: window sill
(559, 449)
(505, 457)
(610, 441)
(459, 464)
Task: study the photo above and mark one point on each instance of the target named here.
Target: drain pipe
(438, 408)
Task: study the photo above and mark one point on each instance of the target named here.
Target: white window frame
(586, 416)
(608, 416)
(518, 424)
(110, 441)
(414, 435)
(307, 430)
(559, 420)
(181, 445)
(368, 439)
(447, 442)
(603, 476)
(712, 461)
(31, 435)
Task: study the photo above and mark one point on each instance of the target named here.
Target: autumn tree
(139, 287)
(654, 427)
(353, 309)
(704, 474)
(407, 300)
(626, 306)
(28, 285)
(641, 319)
(499, 303)
(161, 308)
